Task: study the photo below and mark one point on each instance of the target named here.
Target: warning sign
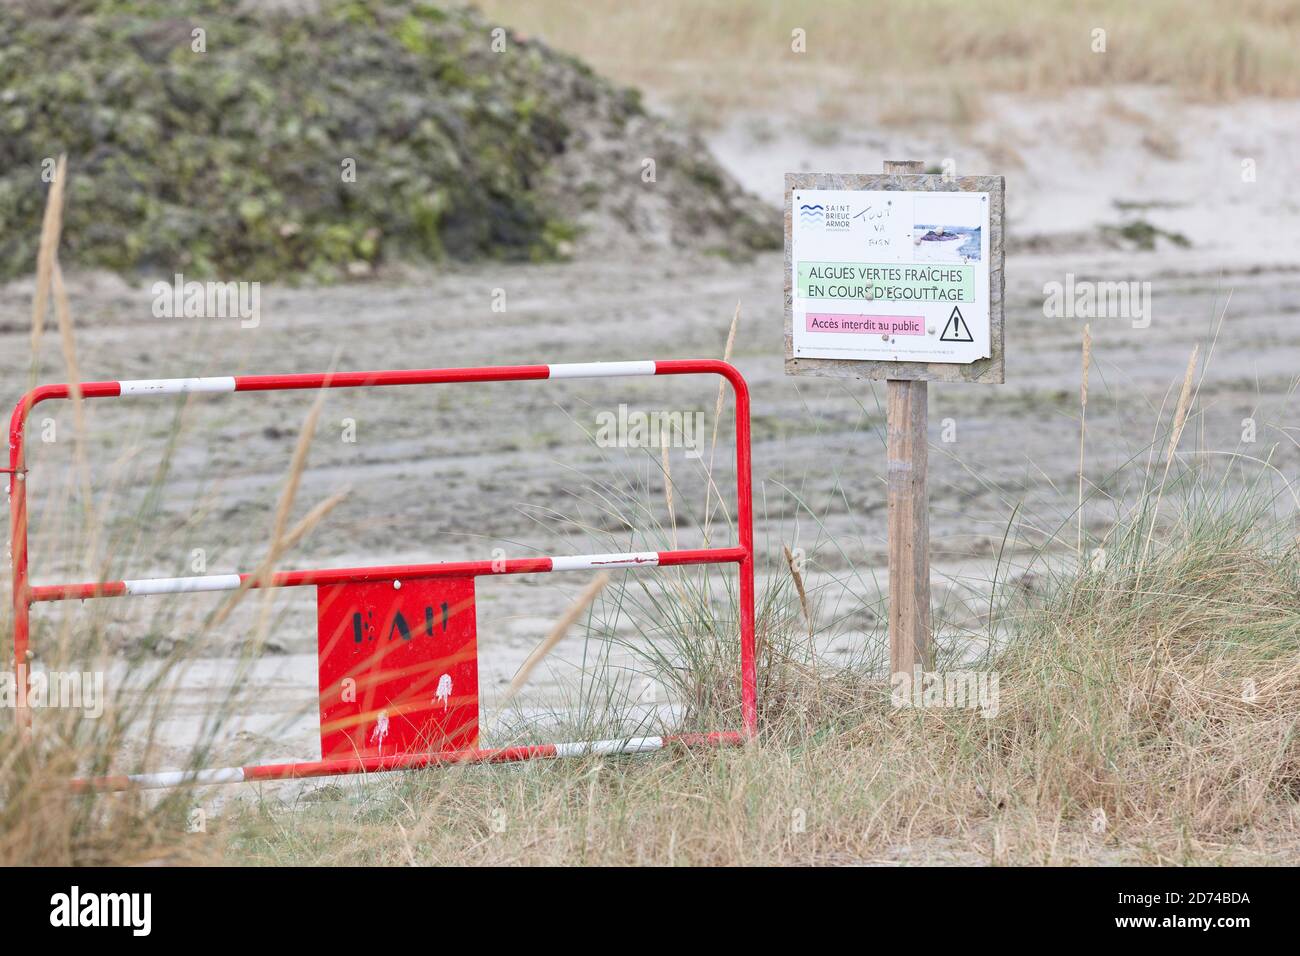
(956, 330)
(890, 275)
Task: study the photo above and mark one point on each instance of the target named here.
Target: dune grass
(717, 54)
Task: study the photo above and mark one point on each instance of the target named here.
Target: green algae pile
(324, 139)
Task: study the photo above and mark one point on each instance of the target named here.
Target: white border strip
(631, 745)
(177, 386)
(215, 582)
(591, 562)
(174, 778)
(601, 369)
(230, 582)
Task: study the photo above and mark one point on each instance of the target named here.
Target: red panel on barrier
(398, 667)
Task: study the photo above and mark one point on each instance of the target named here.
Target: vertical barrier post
(18, 555)
(745, 522)
(909, 519)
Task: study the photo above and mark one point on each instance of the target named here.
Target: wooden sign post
(898, 277)
(907, 450)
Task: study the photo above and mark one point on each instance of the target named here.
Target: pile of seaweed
(327, 138)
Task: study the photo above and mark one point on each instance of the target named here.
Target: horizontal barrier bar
(371, 379)
(349, 765)
(399, 572)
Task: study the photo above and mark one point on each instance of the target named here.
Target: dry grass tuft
(1083, 428)
(557, 632)
(920, 60)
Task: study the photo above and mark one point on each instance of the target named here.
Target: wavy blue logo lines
(823, 217)
(812, 215)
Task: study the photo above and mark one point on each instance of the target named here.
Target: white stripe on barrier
(633, 745)
(177, 386)
(588, 562)
(601, 369)
(215, 582)
(174, 778)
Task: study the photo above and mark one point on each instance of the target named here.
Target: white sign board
(898, 276)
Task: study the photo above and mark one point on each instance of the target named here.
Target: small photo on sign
(946, 228)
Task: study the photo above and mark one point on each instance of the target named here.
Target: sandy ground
(450, 472)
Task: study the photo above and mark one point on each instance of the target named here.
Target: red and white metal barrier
(398, 652)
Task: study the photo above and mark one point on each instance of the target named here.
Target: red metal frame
(24, 595)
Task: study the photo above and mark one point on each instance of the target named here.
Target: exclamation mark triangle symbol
(956, 330)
